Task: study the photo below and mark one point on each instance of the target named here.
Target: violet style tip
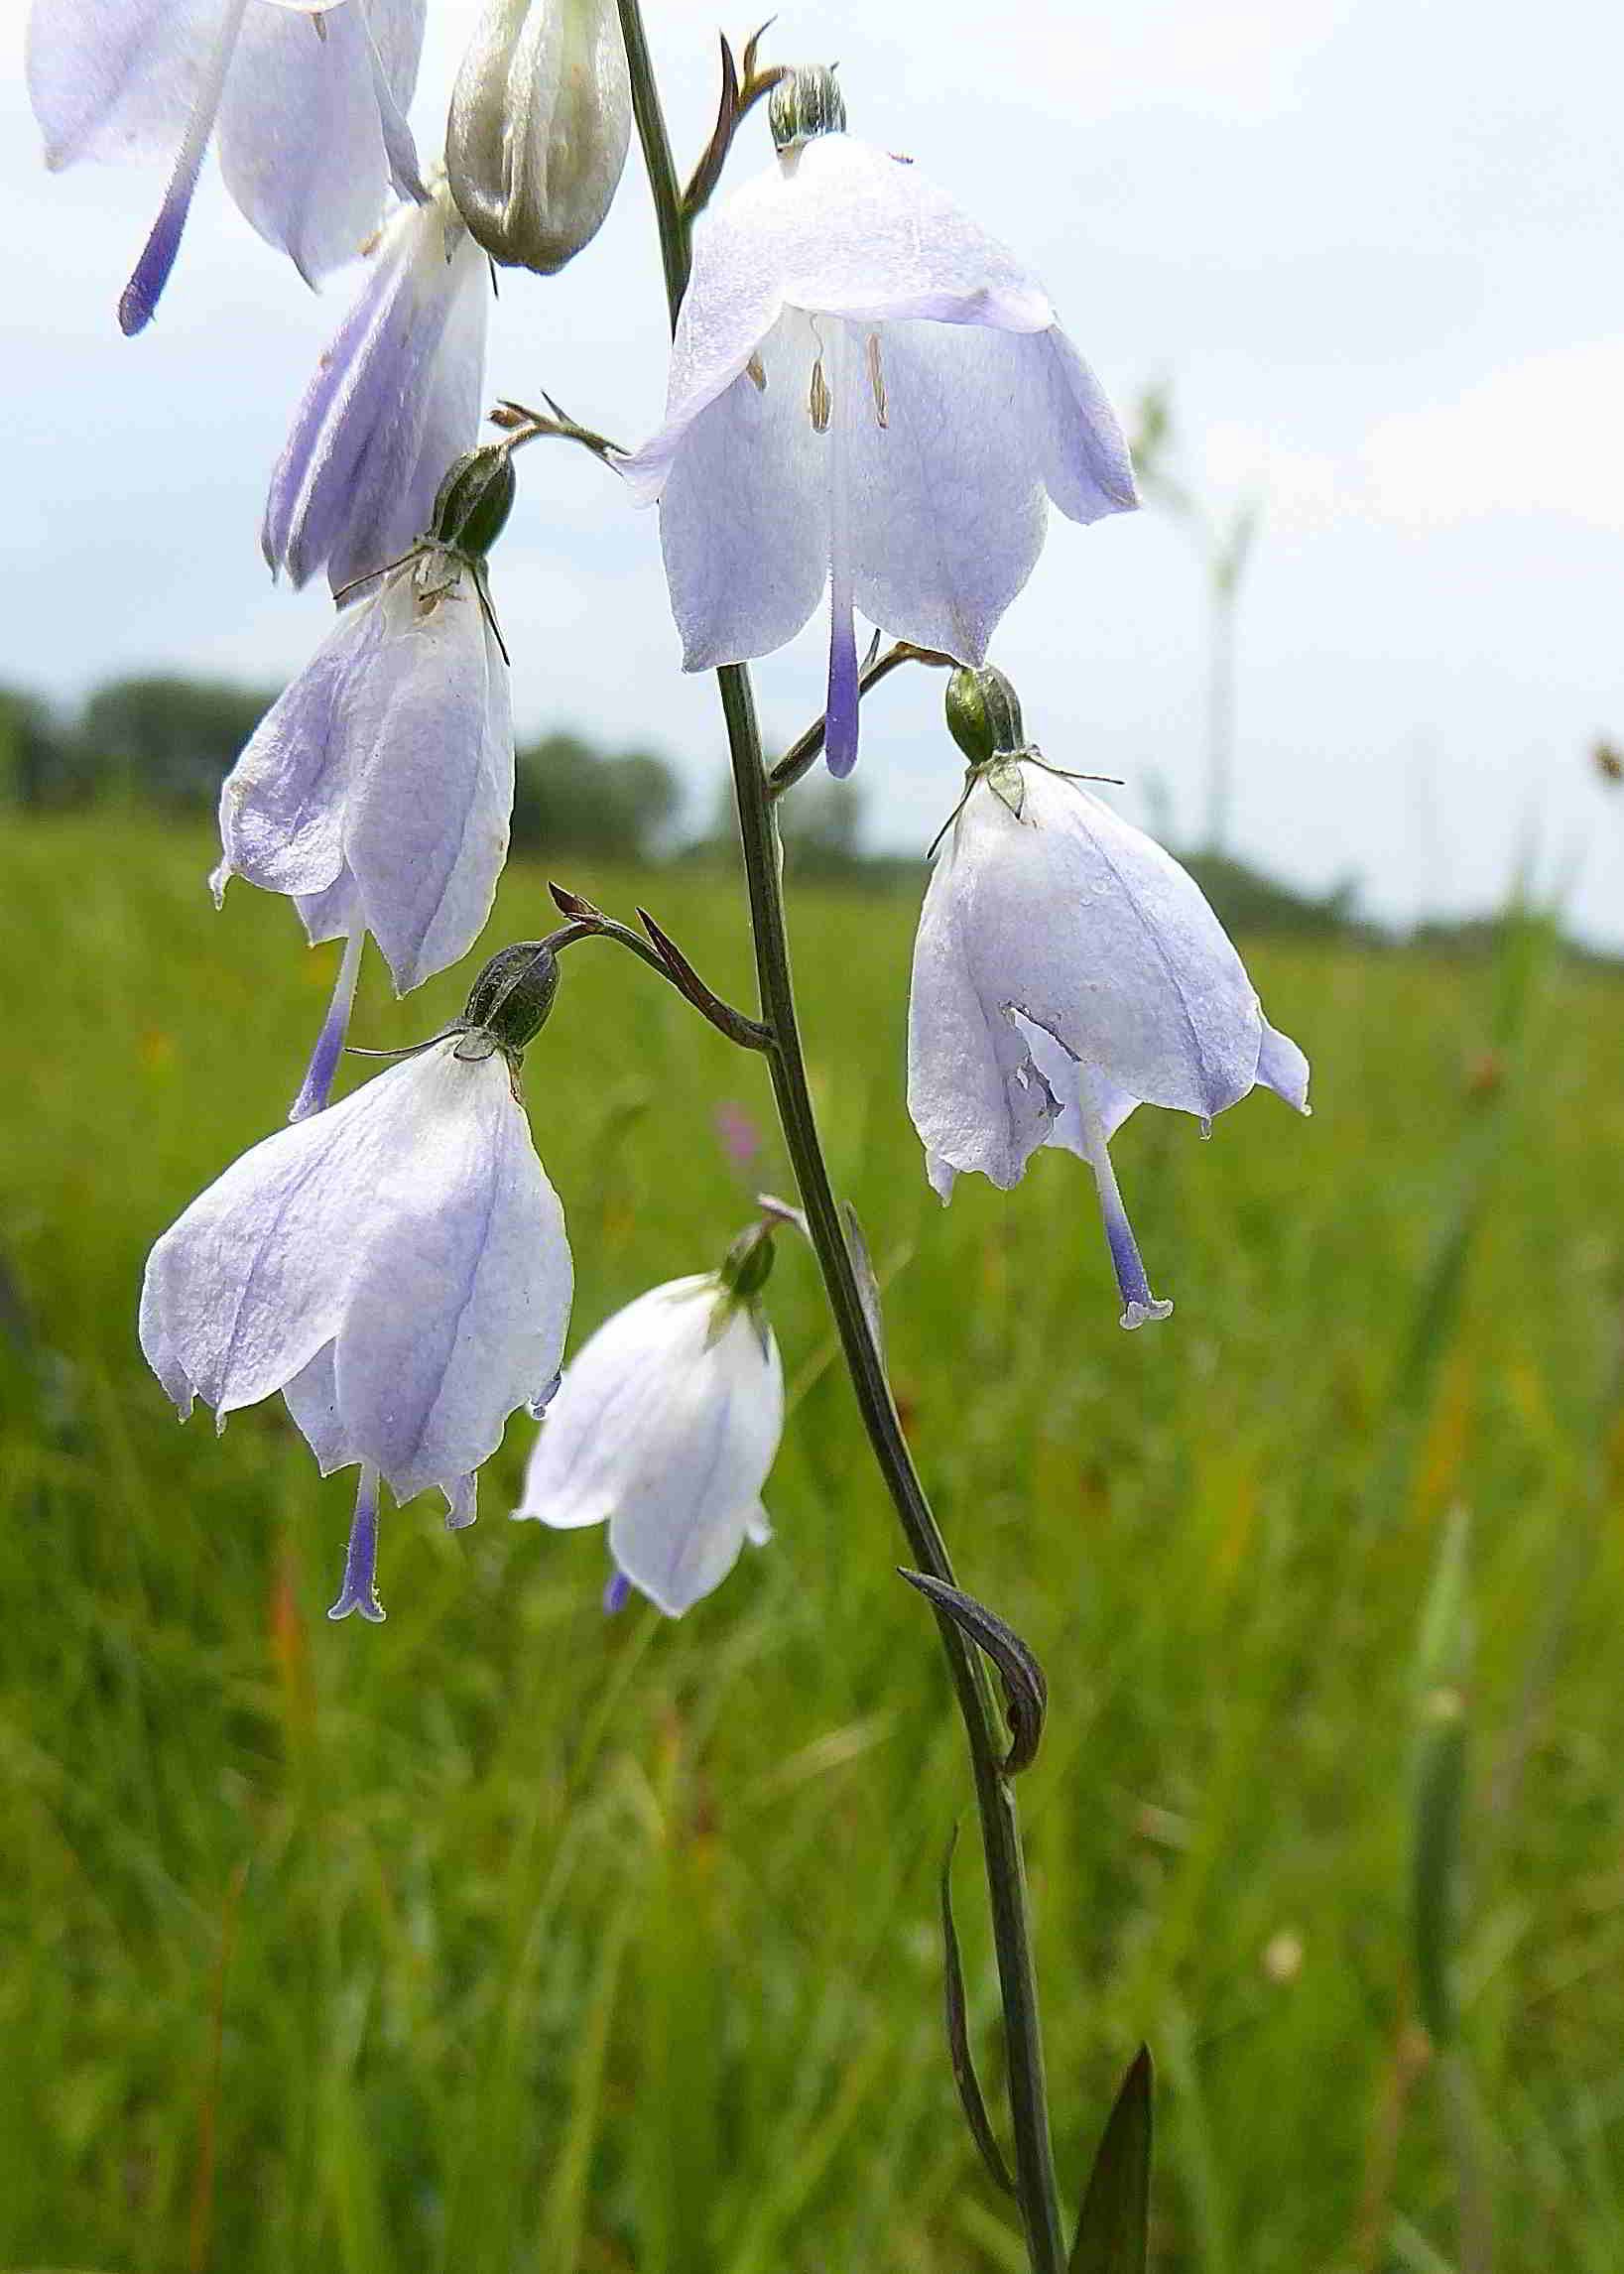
(617, 1589)
(359, 1590)
(138, 303)
(841, 717)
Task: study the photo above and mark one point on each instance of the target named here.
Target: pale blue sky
(1376, 248)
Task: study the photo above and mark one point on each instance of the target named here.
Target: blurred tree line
(167, 742)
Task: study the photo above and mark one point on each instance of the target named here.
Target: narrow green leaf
(958, 2036)
(1113, 2230)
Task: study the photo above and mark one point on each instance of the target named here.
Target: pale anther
(876, 378)
(757, 374)
(821, 401)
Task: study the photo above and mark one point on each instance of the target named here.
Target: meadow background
(505, 1936)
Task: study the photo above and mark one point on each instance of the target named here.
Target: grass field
(507, 1937)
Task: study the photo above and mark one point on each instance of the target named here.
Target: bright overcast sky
(1375, 247)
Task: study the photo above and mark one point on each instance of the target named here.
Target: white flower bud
(540, 120)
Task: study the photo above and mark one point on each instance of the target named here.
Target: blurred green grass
(508, 1937)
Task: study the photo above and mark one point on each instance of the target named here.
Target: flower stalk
(757, 829)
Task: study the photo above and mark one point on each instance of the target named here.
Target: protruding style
(304, 99)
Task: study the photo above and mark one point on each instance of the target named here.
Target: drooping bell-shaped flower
(540, 120)
(377, 791)
(396, 1267)
(665, 1426)
(395, 400)
(1067, 969)
(305, 100)
(869, 393)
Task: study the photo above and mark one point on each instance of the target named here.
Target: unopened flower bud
(540, 124)
(512, 994)
(476, 499)
(804, 102)
(984, 714)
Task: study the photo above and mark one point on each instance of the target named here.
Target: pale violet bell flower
(304, 99)
(377, 791)
(1067, 969)
(395, 400)
(870, 394)
(378, 788)
(396, 1267)
(665, 1426)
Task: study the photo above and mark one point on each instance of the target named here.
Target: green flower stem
(996, 1798)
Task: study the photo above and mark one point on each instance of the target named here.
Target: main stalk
(995, 1799)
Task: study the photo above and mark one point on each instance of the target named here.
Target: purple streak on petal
(317, 1087)
(840, 708)
(616, 1593)
(141, 294)
(359, 1591)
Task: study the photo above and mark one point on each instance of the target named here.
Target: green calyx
(512, 994)
(745, 1267)
(984, 714)
(804, 102)
(474, 501)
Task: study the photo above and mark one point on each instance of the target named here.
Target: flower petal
(431, 737)
(947, 496)
(975, 1094)
(243, 1291)
(117, 78)
(459, 1297)
(1076, 436)
(1283, 1068)
(393, 401)
(745, 514)
(680, 1524)
(1091, 929)
(667, 1427)
(281, 805)
(301, 143)
(847, 230)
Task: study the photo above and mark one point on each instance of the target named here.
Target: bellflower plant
(378, 790)
(305, 100)
(1067, 969)
(396, 1267)
(868, 395)
(539, 125)
(665, 1428)
(867, 392)
(395, 400)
